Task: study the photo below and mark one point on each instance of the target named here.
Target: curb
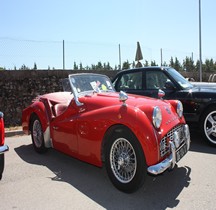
(13, 133)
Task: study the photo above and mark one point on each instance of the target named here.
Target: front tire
(37, 135)
(208, 125)
(125, 162)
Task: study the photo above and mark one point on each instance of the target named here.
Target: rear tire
(125, 161)
(208, 125)
(37, 135)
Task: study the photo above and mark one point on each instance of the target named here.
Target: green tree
(116, 67)
(197, 66)
(75, 67)
(171, 62)
(188, 64)
(81, 66)
(215, 66)
(87, 68)
(24, 67)
(165, 64)
(35, 66)
(99, 66)
(146, 63)
(153, 63)
(107, 66)
(93, 67)
(126, 65)
(176, 65)
(209, 65)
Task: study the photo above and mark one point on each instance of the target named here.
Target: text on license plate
(181, 152)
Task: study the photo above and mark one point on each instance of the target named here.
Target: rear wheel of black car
(125, 162)
(208, 125)
(37, 135)
(1, 165)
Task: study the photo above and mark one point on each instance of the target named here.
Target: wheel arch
(115, 128)
(45, 127)
(40, 111)
(125, 164)
(207, 107)
(210, 137)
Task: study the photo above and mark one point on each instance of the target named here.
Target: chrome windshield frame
(89, 83)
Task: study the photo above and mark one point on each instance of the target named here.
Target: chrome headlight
(179, 109)
(157, 117)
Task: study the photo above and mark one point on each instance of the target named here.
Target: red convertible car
(3, 148)
(131, 135)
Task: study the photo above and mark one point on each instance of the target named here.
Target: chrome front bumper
(3, 149)
(170, 161)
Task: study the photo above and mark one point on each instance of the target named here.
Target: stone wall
(19, 87)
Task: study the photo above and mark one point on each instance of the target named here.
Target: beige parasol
(139, 55)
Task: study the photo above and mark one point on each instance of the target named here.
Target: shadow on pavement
(158, 192)
(198, 144)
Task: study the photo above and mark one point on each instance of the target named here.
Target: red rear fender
(37, 108)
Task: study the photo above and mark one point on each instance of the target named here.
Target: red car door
(63, 130)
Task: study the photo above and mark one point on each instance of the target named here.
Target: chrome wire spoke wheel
(37, 134)
(123, 160)
(210, 127)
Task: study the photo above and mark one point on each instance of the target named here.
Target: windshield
(83, 83)
(179, 78)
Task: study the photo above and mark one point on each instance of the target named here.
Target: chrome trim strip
(3, 149)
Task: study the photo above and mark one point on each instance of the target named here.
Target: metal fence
(48, 54)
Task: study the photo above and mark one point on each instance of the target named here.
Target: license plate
(181, 152)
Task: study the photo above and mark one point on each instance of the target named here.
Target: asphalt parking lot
(56, 181)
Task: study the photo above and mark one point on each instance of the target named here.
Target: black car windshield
(179, 78)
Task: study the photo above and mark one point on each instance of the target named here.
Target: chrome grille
(164, 144)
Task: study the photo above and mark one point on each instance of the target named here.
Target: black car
(199, 101)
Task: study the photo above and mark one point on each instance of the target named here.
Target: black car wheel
(208, 125)
(1, 165)
(37, 135)
(125, 162)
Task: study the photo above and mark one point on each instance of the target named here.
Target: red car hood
(170, 117)
(110, 99)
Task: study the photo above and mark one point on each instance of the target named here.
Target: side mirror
(161, 94)
(169, 85)
(123, 97)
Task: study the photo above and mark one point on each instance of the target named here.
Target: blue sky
(33, 31)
